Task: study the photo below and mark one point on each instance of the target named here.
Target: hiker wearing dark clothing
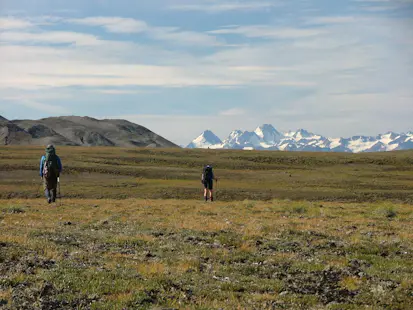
(50, 169)
(208, 182)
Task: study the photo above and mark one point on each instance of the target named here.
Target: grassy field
(112, 173)
(289, 231)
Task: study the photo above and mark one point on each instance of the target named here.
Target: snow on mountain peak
(266, 137)
(268, 134)
(204, 140)
(303, 134)
(209, 136)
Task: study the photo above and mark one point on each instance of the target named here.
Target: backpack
(50, 167)
(208, 173)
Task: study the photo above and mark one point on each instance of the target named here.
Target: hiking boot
(49, 200)
(212, 199)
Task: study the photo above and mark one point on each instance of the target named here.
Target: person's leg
(46, 190)
(48, 195)
(211, 189)
(53, 194)
(205, 192)
(52, 185)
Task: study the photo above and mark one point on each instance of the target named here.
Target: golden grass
(151, 268)
(351, 283)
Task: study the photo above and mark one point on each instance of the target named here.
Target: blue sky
(178, 67)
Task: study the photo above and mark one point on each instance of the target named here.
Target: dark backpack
(51, 167)
(208, 173)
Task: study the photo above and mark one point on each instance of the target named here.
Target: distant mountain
(2, 119)
(79, 131)
(268, 134)
(205, 140)
(241, 139)
(266, 137)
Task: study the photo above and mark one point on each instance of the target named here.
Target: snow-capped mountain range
(266, 137)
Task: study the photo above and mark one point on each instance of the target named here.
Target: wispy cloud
(170, 34)
(223, 6)
(28, 67)
(113, 24)
(14, 23)
(119, 91)
(50, 37)
(264, 31)
(332, 20)
(233, 112)
(36, 105)
(383, 5)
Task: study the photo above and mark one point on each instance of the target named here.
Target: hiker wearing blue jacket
(50, 169)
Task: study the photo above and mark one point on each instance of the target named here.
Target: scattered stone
(149, 255)
(225, 279)
(324, 284)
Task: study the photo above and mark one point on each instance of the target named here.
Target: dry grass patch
(151, 269)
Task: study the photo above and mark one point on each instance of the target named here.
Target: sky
(179, 67)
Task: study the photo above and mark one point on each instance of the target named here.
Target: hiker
(50, 169)
(207, 181)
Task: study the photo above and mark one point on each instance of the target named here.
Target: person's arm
(41, 166)
(59, 163)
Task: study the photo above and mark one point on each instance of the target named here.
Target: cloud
(99, 63)
(183, 37)
(332, 20)
(119, 91)
(50, 37)
(36, 105)
(233, 112)
(129, 25)
(383, 5)
(263, 31)
(226, 6)
(7, 23)
(113, 24)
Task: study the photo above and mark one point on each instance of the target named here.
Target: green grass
(116, 173)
